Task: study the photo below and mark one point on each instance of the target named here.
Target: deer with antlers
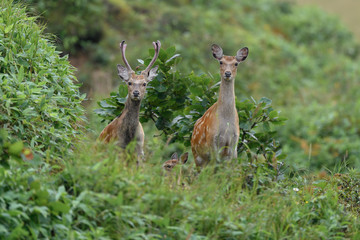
(216, 133)
(126, 127)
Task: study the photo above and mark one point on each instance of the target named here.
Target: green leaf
(161, 88)
(273, 114)
(162, 55)
(171, 51)
(42, 210)
(16, 148)
(3, 230)
(8, 28)
(196, 90)
(266, 126)
(105, 104)
(59, 207)
(265, 100)
(245, 126)
(172, 58)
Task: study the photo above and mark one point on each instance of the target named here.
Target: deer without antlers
(126, 127)
(170, 164)
(175, 160)
(216, 133)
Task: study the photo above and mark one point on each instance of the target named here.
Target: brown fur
(126, 127)
(170, 164)
(216, 133)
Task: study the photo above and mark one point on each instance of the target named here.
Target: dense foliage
(99, 196)
(39, 102)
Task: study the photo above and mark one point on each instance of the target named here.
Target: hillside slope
(346, 10)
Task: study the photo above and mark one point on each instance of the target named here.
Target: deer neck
(131, 112)
(226, 102)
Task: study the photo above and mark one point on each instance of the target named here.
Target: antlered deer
(126, 127)
(216, 133)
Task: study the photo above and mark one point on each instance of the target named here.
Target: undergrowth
(104, 195)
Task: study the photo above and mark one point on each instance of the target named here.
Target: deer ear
(184, 157)
(123, 72)
(242, 54)
(174, 156)
(152, 73)
(217, 51)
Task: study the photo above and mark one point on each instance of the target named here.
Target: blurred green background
(346, 10)
(304, 59)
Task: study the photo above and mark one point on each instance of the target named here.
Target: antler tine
(157, 46)
(123, 48)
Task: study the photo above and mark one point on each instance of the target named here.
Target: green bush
(246, 201)
(12, 149)
(100, 196)
(39, 101)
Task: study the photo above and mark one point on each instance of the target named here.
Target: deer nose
(227, 74)
(136, 93)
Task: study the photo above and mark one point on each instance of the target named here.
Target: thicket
(99, 196)
(40, 102)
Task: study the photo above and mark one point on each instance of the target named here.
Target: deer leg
(139, 143)
(217, 148)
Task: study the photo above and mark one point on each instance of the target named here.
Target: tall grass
(228, 201)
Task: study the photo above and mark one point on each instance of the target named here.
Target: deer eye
(144, 84)
(221, 62)
(236, 64)
(130, 83)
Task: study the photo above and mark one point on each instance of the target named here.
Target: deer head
(228, 64)
(170, 164)
(137, 82)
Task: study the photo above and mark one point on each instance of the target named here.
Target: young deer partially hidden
(126, 127)
(216, 133)
(170, 164)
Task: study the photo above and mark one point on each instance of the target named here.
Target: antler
(157, 46)
(123, 48)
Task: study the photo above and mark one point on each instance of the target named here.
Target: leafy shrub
(249, 201)
(99, 196)
(39, 102)
(175, 101)
(33, 208)
(12, 149)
